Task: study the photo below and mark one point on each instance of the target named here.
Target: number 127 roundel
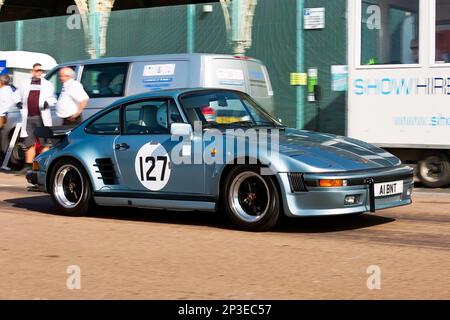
(152, 166)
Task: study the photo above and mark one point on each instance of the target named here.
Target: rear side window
(108, 123)
(105, 80)
(150, 117)
(259, 82)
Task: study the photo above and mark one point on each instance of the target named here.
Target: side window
(104, 80)
(107, 124)
(150, 117)
(442, 31)
(389, 32)
(54, 79)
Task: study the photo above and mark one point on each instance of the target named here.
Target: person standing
(34, 98)
(73, 99)
(6, 98)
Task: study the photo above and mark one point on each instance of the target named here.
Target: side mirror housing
(181, 129)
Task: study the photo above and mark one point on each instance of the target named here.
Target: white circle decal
(152, 166)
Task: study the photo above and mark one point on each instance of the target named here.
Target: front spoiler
(318, 201)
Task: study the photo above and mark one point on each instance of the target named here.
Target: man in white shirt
(73, 99)
(6, 98)
(6, 102)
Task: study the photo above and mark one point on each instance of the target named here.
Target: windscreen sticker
(152, 166)
(153, 70)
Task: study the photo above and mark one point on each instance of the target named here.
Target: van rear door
(259, 84)
(227, 73)
(243, 74)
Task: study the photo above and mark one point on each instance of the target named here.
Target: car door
(144, 151)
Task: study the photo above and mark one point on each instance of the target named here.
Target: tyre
(70, 188)
(251, 201)
(434, 170)
(17, 160)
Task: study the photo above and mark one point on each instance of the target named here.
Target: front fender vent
(296, 182)
(106, 170)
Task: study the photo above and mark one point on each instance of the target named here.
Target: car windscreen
(221, 108)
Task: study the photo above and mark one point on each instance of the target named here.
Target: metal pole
(300, 93)
(237, 7)
(191, 28)
(19, 35)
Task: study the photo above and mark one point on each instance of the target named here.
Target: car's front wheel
(251, 200)
(70, 188)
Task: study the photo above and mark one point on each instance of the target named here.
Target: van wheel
(251, 201)
(434, 170)
(70, 188)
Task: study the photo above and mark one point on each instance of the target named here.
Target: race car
(164, 150)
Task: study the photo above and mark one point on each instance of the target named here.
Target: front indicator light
(333, 183)
(35, 166)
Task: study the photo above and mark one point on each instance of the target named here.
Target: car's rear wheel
(434, 170)
(70, 188)
(251, 200)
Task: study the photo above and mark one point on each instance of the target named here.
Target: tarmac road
(139, 254)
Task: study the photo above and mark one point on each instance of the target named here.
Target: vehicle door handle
(122, 146)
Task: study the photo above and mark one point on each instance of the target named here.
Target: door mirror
(181, 129)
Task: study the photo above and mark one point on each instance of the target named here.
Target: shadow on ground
(43, 204)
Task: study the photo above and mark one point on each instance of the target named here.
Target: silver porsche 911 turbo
(211, 150)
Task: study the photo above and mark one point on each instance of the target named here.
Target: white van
(105, 80)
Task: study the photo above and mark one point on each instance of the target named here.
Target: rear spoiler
(58, 133)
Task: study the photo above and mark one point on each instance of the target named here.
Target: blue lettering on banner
(436, 121)
(392, 86)
(359, 85)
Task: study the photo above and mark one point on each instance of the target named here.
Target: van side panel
(157, 75)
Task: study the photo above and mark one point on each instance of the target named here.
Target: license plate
(388, 188)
